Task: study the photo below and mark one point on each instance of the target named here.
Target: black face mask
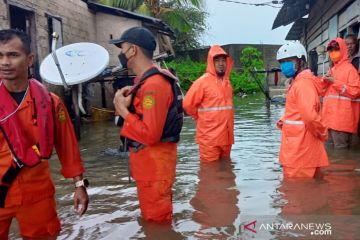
(123, 60)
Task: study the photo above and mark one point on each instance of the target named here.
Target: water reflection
(248, 188)
(215, 201)
(333, 200)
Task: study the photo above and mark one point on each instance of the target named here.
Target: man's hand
(81, 200)
(122, 101)
(328, 77)
(323, 136)
(279, 124)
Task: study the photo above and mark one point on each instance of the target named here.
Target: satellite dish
(78, 62)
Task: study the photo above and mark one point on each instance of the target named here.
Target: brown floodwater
(245, 198)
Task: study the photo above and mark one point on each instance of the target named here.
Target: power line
(266, 4)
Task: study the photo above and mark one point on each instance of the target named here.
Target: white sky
(236, 23)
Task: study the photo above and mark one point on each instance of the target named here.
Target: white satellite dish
(79, 62)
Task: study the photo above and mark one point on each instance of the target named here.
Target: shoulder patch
(148, 102)
(61, 115)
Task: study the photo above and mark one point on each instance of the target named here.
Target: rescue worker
(152, 113)
(302, 150)
(340, 104)
(209, 102)
(32, 122)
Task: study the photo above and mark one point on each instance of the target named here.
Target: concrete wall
(77, 20)
(79, 24)
(112, 26)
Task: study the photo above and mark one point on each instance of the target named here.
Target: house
(316, 22)
(77, 21)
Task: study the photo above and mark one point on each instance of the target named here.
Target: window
(55, 25)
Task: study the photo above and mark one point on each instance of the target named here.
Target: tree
(185, 17)
(251, 60)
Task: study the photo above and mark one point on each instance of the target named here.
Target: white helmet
(291, 49)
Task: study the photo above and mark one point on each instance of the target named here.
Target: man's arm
(156, 97)
(193, 98)
(69, 154)
(309, 108)
(350, 87)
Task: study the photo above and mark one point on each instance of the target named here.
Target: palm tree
(174, 12)
(124, 4)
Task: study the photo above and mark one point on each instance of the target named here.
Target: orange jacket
(157, 160)
(209, 101)
(34, 183)
(340, 104)
(303, 132)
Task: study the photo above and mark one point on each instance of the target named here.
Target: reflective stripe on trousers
(291, 122)
(215, 108)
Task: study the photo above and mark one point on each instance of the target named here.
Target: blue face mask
(288, 69)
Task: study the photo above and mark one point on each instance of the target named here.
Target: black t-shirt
(355, 62)
(18, 96)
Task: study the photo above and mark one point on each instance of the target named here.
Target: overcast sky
(235, 23)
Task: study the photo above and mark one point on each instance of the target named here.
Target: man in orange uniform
(340, 105)
(32, 122)
(152, 116)
(209, 102)
(302, 150)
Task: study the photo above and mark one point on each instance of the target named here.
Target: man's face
(14, 62)
(351, 46)
(220, 65)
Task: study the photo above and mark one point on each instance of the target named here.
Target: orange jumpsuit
(31, 196)
(209, 102)
(153, 167)
(340, 103)
(302, 148)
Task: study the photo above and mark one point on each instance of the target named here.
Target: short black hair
(148, 53)
(9, 34)
(352, 36)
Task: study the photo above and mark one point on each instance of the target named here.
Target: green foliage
(188, 37)
(187, 71)
(128, 5)
(251, 60)
(243, 81)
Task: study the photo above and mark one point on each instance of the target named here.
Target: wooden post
(103, 96)
(74, 95)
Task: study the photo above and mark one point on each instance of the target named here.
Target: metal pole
(127, 158)
(56, 60)
(74, 93)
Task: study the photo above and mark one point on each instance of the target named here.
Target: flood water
(245, 198)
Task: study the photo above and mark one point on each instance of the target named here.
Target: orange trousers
(214, 153)
(35, 220)
(155, 198)
(311, 172)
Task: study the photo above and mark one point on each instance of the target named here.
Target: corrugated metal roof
(296, 30)
(291, 11)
